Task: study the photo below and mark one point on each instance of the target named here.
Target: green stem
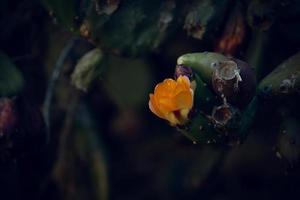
(52, 82)
(256, 52)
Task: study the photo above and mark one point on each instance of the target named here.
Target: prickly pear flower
(172, 100)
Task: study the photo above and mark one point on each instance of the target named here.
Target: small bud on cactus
(182, 70)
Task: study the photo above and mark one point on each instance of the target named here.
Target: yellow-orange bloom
(172, 100)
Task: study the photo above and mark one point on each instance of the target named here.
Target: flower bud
(181, 70)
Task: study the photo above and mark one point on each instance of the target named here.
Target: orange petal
(163, 95)
(165, 89)
(184, 80)
(165, 104)
(153, 107)
(183, 84)
(184, 100)
(172, 118)
(170, 96)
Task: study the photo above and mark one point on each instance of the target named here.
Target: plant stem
(52, 82)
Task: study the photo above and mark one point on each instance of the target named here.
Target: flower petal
(183, 84)
(153, 107)
(172, 118)
(172, 100)
(184, 80)
(165, 89)
(184, 100)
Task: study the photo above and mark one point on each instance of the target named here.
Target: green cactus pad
(201, 63)
(283, 81)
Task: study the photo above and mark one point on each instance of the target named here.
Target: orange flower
(172, 100)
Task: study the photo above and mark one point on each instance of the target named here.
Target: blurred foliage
(284, 80)
(63, 11)
(127, 81)
(80, 170)
(11, 79)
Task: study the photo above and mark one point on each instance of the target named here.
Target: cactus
(204, 17)
(284, 80)
(145, 25)
(227, 115)
(231, 84)
(226, 100)
(221, 99)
